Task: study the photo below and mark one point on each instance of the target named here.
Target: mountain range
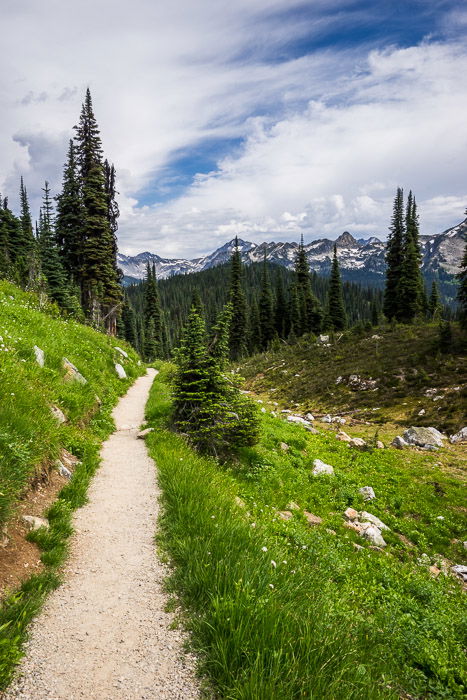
(361, 259)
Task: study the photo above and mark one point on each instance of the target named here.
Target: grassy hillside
(284, 609)
(30, 436)
(404, 362)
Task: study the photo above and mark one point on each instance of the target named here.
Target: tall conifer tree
(266, 309)
(336, 311)
(462, 291)
(51, 264)
(311, 314)
(410, 287)
(238, 323)
(394, 250)
(69, 225)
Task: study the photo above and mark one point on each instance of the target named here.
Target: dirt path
(104, 634)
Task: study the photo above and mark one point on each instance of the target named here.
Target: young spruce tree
(336, 310)
(394, 250)
(238, 323)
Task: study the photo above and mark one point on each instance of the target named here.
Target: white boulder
(320, 467)
(40, 356)
(72, 373)
(425, 438)
(367, 493)
(120, 371)
(122, 352)
(461, 436)
(34, 523)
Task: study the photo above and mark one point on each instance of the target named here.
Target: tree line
(71, 251)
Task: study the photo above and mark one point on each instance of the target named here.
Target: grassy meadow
(282, 609)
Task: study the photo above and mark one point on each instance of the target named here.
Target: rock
(338, 419)
(399, 442)
(284, 446)
(358, 443)
(40, 356)
(339, 379)
(58, 414)
(376, 337)
(312, 519)
(285, 515)
(240, 502)
(98, 400)
(379, 445)
(143, 433)
(68, 459)
(367, 493)
(423, 437)
(34, 523)
(422, 412)
(323, 339)
(71, 373)
(461, 436)
(293, 506)
(62, 470)
(330, 531)
(460, 570)
(120, 371)
(431, 392)
(326, 419)
(286, 410)
(368, 517)
(122, 352)
(310, 417)
(353, 526)
(297, 419)
(343, 437)
(310, 429)
(434, 570)
(358, 547)
(358, 383)
(320, 467)
(351, 514)
(373, 534)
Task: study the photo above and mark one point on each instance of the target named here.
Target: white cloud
(338, 131)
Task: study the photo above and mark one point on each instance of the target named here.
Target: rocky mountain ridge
(440, 252)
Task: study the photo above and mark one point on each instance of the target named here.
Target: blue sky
(263, 118)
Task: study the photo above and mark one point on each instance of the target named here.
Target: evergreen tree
(238, 324)
(51, 264)
(196, 302)
(150, 349)
(294, 314)
(254, 338)
(374, 314)
(152, 309)
(462, 291)
(266, 310)
(394, 250)
(445, 336)
(434, 304)
(100, 287)
(410, 287)
(336, 311)
(311, 315)
(281, 311)
(70, 219)
(4, 254)
(129, 323)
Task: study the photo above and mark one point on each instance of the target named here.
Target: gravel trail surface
(104, 635)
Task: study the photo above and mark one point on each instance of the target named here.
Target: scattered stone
(310, 429)
(71, 373)
(379, 445)
(312, 519)
(338, 419)
(285, 515)
(34, 523)
(40, 356)
(323, 339)
(367, 493)
(284, 446)
(297, 419)
(431, 392)
(58, 414)
(358, 443)
(373, 534)
(326, 419)
(399, 442)
(320, 467)
(358, 383)
(370, 518)
(434, 571)
(68, 459)
(143, 433)
(351, 514)
(338, 380)
(376, 337)
(98, 400)
(424, 437)
(343, 437)
(461, 436)
(460, 570)
(358, 547)
(240, 502)
(122, 352)
(374, 548)
(286, 410)
(120, 371)
(422, 412)
(309, 416)
(353, 526)
(293, 506)
(62, 470)
(331, 532)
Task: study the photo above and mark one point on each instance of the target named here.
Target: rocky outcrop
(72, 374)
(366, 525)
(426, 438)
(461, 436)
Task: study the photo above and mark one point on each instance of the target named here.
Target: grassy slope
(30, 438)
(324, 620)
(405, 361)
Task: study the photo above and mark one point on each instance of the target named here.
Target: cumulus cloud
(326, 134)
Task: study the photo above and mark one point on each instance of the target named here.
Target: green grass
(324, 620)
(30, 438)
(405, 362)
